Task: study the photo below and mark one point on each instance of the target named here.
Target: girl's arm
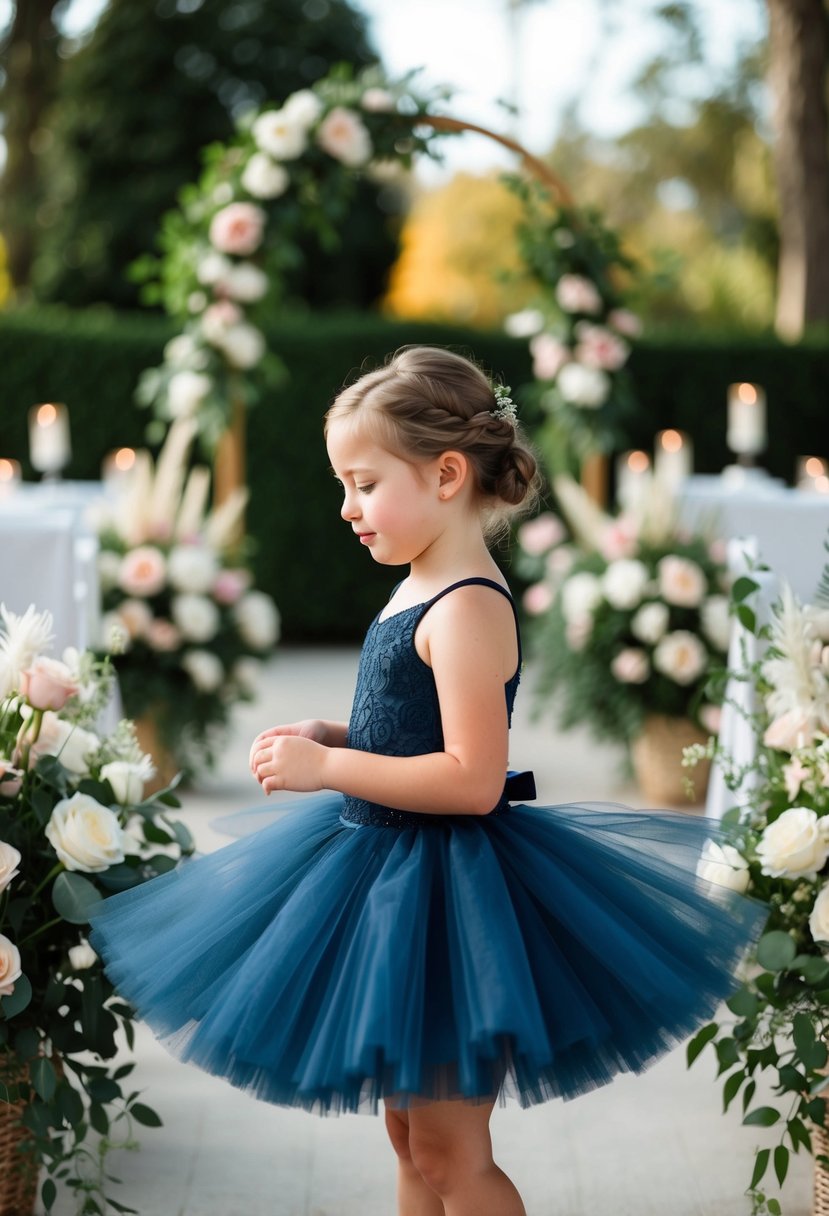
(473, 652)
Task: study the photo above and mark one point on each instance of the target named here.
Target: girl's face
(392, 505)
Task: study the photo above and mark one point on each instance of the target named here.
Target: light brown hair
(426, 400)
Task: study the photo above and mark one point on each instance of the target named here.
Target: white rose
(212, 267)
(623, 582)
(303, 107)
(588, 387)
(580, 595)
(794, 846)
(244, 282)
(524, 324)
(723, 864)
(264, 178)
(716, 621)
(196, 617)
(192, 568)
(377, 101)
(10, 970)
(631, 666)
(819, 916)
(681, 581)
(82, 957)
(206, 670)
(279, 134)
(247, 673)
(342, 134)
(9, 861)
(72, 745)
(181, 349)
(185, 393)
(258, 620)
(243, 345)
(127, 778)
(85, 835)
(650, 623)
(681, 656)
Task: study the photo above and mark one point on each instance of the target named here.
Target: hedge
(325, 585)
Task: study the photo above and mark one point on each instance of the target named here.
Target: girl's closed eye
(366, 489)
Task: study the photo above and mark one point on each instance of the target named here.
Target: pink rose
(537, 599)
(219, 318)
(163, 635)
(631, 666)
(540, 534)
(549, 356)
(625, 322)
(47, 684)
(578, 631)
(230, 585)
(237, 228)
(10, 969)
(598, 347)
(619, 539)
(343, 135)
(795, 728)
(575, 293)
(711, 718)
(143, 571)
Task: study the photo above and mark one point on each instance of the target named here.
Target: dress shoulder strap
(482, 582)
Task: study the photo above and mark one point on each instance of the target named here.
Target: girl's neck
(453, 557)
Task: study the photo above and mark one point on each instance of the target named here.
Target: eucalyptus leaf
(19, 1000)
(762, 1116)
(43, 1077)
(74, 897)
(744, 1003)
(699, 1041)
(776, 950)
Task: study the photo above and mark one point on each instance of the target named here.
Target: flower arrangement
(74, 827)
(629, 619)
(224, 250)
(579, 333)
(192, 631)
(780, 853)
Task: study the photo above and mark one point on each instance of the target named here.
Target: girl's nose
(349, 509)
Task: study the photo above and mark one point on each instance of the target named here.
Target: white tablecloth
(789, 526)
(49, 558)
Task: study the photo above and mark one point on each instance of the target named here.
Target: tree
(798, 76)
(156, 82)
(28, 49)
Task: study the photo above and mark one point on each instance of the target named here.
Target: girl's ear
(453, 473)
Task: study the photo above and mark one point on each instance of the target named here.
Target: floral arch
(291, 169)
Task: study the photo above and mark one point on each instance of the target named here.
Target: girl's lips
(365, 537)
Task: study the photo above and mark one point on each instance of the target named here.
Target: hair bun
(517, 476)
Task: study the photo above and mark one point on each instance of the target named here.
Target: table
(789, 526)
(50, 558)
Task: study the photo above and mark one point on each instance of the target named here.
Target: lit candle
(673, 459)
(49, 446)
(811, 474)
(633, 479)
(118, 468)
(9, 477)
(746, 419)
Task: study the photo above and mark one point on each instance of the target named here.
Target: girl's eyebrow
(348, 472)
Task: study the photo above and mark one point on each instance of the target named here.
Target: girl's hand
(290, 762)
(310, 728)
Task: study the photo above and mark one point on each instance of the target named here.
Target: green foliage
(93, 360)
(137, 102)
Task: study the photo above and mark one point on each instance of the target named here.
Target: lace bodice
(396, 711)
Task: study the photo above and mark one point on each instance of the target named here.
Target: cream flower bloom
(196, 617)
(10, 969)
(264, 178)
(192, 568)
(580, 595)
(85, 835)
(724, 865)
(280, 134)
(258, 620)
(205, 669)
(343, 135)
(9, 862)
(82, 956)
(795, 845)
(650, 623)
(681, 581)
(681, 656)
(624, 582)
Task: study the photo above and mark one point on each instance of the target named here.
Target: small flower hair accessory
(504, 404)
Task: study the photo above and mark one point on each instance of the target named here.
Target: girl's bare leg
(414, 1197)
(451, 1149)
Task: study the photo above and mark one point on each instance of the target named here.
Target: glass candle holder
(50, 449)
(746, 435)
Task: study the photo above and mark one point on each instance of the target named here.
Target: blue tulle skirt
(536, 954)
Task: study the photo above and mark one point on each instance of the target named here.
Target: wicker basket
(657, 760)
(18, 1171)
(820, 1147)
(149, 741)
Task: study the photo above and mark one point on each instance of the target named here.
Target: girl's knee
(397, 1126)
(444, 1161)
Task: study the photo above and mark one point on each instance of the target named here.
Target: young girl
(415, 935)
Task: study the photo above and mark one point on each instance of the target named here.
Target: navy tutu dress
(350, 952)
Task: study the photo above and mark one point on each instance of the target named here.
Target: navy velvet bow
(520, 787)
